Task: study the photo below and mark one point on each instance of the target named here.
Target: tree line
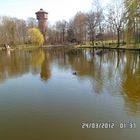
(118, 23)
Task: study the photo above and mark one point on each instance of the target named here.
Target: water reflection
(131, 83)
(45, 70)
(117, 73)
(17, 63)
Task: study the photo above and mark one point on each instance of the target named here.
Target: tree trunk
(92, 37)
(118, 35)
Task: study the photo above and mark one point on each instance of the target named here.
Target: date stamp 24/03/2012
(108, 125)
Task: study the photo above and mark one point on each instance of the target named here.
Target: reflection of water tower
(42, 17)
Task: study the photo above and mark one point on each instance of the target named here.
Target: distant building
(42, 18)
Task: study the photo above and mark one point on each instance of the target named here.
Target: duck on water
(74, 73)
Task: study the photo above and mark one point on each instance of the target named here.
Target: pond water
(41, 98)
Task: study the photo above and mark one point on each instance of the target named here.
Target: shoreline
(20, 47)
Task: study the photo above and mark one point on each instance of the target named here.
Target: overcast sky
(57, 9)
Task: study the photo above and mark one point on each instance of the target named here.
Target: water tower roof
(41, 11)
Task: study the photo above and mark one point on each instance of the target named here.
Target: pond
(67, 95)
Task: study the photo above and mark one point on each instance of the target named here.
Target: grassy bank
(19, 47)
(99, 46)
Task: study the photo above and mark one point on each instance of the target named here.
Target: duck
(74, 73)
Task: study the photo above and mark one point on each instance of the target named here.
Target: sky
(57, 9)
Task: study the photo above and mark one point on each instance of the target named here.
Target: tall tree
(61, 27)
(94, 20)
(12, 30)
(79, 27)
(116, 14)
(133, 20)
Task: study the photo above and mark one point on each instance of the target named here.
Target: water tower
(42, 18)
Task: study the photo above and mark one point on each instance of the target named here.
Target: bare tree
(61, 27)
(31, 22)
(116, 18)
(12, 31)
(79, 28)
(94, 20)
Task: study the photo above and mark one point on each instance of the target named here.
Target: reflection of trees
(45, 70)
(112, 72)
(88, 66)
(81, 65)
(58, 57)
(131, 83)
(37, 58)
(98, 69)
(13, 64)
(17, 63)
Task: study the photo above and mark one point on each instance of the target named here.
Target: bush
(35, 36)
